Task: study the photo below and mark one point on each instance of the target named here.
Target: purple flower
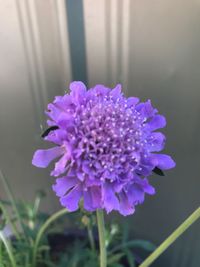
(105, 143)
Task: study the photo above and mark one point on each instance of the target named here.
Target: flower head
(105, 143)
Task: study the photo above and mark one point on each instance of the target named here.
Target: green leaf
(48, 263)
(43, 248)
(143, 244)
(5, 202)
(9, 249)
(115, 258)
(125, 233)
(130, 257)
(146, 245)
(116, 265)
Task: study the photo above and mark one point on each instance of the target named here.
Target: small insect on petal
(47, 131)
(158, 171)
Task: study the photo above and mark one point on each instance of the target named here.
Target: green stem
(44, 227)
(12, 200)
(8, 249)
(102, 243)
(91, 238)
(182, 228)
(1, 252)
(9, 221)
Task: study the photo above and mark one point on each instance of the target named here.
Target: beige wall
(152, 48)
(35, 65)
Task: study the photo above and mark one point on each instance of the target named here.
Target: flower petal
(92, 198)
(116, 92)
(57, 136)
(146, 109)
(42, 158)
(53, 111)
(157, 142)
(71, 200)
(65, 120)
(125, 208)
(64, 103)
(144, 183)
(61, 165)
(157, 122)
(135, 194)
(132, 101)
(99, 90)
(162, 161)
(110, 201)
(136, 191)
(78, 90)
(144, 170)
(64, 184)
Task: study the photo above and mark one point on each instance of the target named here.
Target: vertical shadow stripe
(76, 33)
(31, 67)
(119, 40)
(108, 39)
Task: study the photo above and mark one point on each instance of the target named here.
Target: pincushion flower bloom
(106, 145)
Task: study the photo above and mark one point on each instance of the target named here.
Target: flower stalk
(102, 243)
(13, 204)
(91, 238)
(8, 249)
(177, 233)
(41, 231)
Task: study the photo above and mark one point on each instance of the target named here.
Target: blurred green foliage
(28, 244)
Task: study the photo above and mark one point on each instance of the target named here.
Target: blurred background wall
(151, 47)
